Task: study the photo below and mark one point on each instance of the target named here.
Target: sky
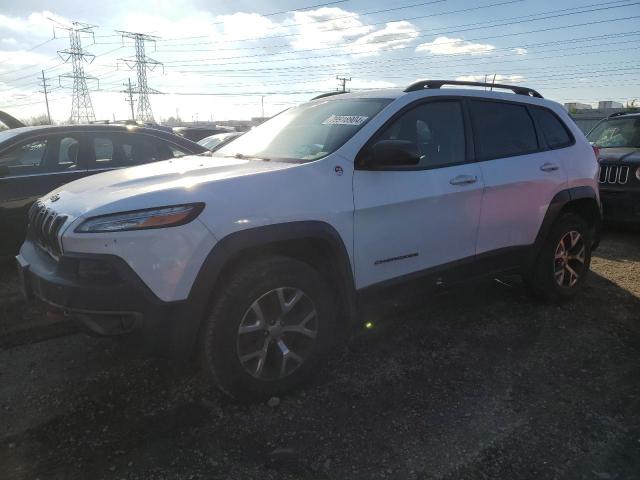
(236, 59)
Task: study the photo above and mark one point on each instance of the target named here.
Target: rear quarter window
(553, 129)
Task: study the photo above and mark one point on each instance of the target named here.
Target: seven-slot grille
(44, 226)
(614, 174)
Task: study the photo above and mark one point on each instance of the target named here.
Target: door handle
(549, 167)
(463, 180)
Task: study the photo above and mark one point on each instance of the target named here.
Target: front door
(411, 220)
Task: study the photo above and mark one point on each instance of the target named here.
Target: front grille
(614, 174)
(44, 227)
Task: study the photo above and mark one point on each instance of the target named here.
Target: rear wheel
(563, 262)
(269, 329)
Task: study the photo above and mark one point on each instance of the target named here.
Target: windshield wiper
(242, 156)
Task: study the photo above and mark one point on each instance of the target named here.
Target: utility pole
(129, 99)
(343, 81)
(262, 104)
(46, 96)
(141, 63)
(81, 106)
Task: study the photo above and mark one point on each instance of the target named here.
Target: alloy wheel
(569, 260)
(277, 333)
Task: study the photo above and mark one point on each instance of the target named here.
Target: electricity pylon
(142, 63)
(81, 106)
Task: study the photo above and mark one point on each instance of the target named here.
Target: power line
(271, 14)
(261, 71)
(332, 19)
(33, 48)
(200, 60)
(383, 40)
(381, 64)
(612, 4)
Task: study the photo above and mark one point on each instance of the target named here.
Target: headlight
(638, 173)
(160, 217)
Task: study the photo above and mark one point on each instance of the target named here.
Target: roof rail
(422, 84)
(328, 94)
(617, 114)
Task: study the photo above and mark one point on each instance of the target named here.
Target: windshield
(213, 140)
(12, 132)
(307, 132)
(617, 133)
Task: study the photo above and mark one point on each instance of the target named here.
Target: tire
(549, 279)
(244, 353)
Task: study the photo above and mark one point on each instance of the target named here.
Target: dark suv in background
(36, 160)
(618, 139)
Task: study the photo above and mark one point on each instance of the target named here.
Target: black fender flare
(558, 203)
(231, 248)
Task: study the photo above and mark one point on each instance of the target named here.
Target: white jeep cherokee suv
(256, 256)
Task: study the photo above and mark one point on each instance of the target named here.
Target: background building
(603, 104)
(577, 106)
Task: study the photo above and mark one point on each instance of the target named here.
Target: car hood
(626, 155)
(161, 183)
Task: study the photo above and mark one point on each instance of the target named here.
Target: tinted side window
(437, 128)
(115, 150)
(555, 133)
(502, 130)
(24, 159)
(67, 154)
(103, 148)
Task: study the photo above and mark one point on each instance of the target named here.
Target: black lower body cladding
(104, 295)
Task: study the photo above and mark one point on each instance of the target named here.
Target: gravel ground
(475, 383)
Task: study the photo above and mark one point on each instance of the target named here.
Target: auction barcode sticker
(345, 120)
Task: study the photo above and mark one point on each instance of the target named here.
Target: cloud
(489, 78)
(21, 57)
(9, 41)
(393, 36)
(519, 51)
(324, 27)
(358, 83)
(454, 46)
(37, 24)
(246, 25)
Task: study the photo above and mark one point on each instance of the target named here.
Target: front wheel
(563, 261)
(269, 329)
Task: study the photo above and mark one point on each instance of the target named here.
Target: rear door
(31, 169)
(520, 173)
(409, 220)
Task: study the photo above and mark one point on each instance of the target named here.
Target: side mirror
(393, 153)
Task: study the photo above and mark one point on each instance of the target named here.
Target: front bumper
(620, 205)
(103, 294)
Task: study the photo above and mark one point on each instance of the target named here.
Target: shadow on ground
(476, 383)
